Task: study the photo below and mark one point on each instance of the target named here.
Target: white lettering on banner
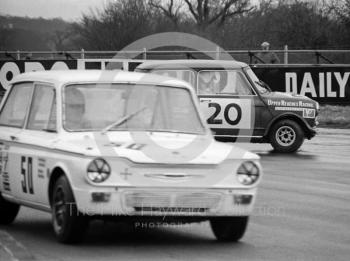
(33, 66)
(11, 69)
(325, 86)
(291, 83)
(342, 82)
(59, 66)
(330, 93)
(308, 85)
(321, 84)
(7, 72)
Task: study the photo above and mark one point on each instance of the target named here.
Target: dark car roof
(203, 64)
(96, 76)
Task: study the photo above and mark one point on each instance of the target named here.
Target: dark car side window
(184, 75)
(16, 106)
(222, 82)
(43, 110)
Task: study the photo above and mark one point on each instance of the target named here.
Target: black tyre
(229, 229)
(8, 211)
(68, 223)
(286, 136)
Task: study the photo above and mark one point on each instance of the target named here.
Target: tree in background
(298, 24)
(204, 13)
(171, 10)
(119, 24)
(34, 34)
(341, 8)
(340, 11)
(233, 24)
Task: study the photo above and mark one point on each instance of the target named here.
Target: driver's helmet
(212, 81)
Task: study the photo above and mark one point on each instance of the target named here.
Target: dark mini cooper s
(239, 106)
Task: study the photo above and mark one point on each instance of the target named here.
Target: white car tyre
(68, 223)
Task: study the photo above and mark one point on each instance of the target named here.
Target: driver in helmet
(211, 82)
(75, 110)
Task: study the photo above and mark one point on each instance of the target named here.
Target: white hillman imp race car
(127, 146)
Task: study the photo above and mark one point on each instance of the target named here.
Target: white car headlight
(98, 170)
(248, 173)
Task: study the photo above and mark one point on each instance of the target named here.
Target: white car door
(12, 120)
(37, 140)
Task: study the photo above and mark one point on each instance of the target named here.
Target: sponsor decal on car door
(4, 172)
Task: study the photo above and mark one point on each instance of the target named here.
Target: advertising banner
(9, 69)
(327, 84)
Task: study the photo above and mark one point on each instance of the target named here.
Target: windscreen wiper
(122, 120)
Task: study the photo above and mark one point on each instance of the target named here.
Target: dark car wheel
(286, 136)
(68, 223)
(8, 211)
(229, 229)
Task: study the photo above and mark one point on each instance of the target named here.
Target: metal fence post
(286, 54)
(217, 52)
(82, 53)
(317, 57)
(250, 57)
(145, 53)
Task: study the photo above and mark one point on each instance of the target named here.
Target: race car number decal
(227, 112)
(213, 119)
(27, 174)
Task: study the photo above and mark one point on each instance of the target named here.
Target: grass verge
(334, 116)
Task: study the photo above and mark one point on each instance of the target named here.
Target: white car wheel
(69, 225)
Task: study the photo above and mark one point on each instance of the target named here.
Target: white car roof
(203, 64)
(99, 76)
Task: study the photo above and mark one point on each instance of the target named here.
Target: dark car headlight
(98, 170)
(248, 173)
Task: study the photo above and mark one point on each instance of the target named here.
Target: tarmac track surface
(302, 213)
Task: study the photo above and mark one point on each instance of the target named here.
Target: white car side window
(43, 111)
(15, 109)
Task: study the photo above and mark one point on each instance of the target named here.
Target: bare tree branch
(191, 9)
(169, 11)
(207, 12)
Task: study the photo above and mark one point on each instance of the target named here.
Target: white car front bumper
(132, 201)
